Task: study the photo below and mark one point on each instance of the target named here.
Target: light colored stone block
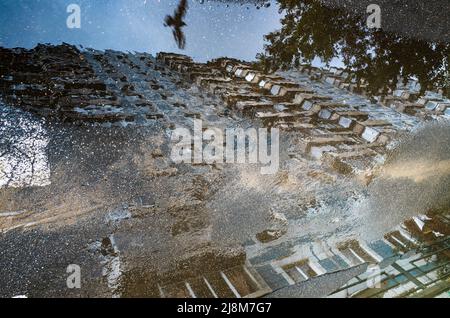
(370, 134)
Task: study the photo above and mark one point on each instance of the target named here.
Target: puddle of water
(108, 169)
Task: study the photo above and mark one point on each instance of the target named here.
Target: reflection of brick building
(424, 274)
(331, 126)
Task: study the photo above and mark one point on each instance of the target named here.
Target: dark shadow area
(382, 57)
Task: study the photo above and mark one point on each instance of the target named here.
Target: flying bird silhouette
(176, 23)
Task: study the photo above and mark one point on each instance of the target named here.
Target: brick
(358, 128)
(282, 115)
(295, 126)
(407, 107)
(301, 97)
(245, 105)
(354, 114)
(359, 153)
(291, 92)
(233, 98)
(333, 105)
(375, 123)
(325, 141)
(210, 80)
(383, 139)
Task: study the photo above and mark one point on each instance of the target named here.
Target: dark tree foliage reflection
(311, 30)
